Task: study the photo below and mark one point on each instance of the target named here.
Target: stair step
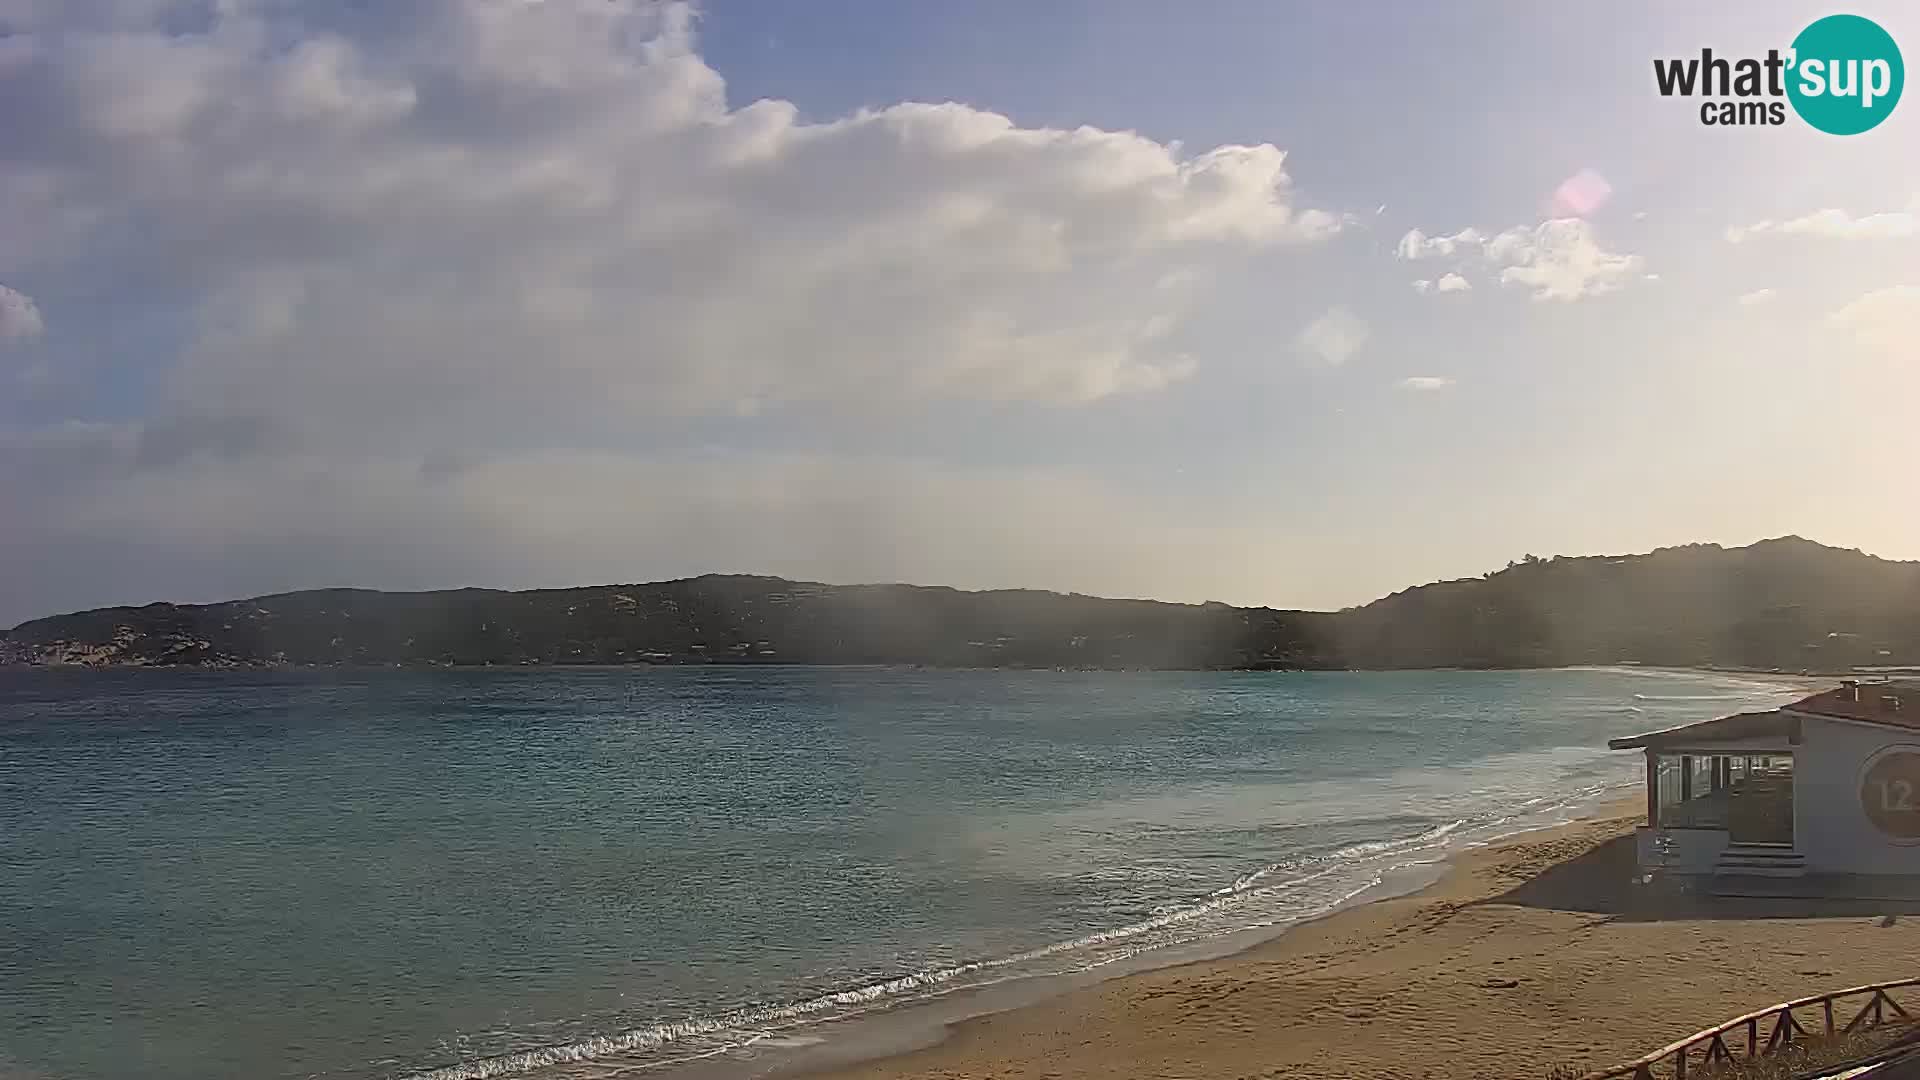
(1761, 863)
(1761, 871)
(1741, 861)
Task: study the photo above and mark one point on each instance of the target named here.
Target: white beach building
(1827, 785)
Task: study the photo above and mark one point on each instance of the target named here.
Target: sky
(1279, 304)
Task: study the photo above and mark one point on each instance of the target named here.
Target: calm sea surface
(356, 875)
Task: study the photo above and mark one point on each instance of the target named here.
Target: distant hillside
(1787, 603)
(1790, 604)
(714, 619)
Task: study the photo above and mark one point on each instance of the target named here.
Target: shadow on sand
(1605, 881)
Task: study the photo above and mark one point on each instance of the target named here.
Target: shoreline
(856, 1046)
(893, 1028)
(1527, 952)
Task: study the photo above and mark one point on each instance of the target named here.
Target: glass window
(1666, 784)
(1691, 790)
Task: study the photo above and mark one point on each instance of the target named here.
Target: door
(1760, 800)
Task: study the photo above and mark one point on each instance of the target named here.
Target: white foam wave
(1691, 697)
(751, 1022)
(1342, 855)
(1280, 894)
(1756, 682)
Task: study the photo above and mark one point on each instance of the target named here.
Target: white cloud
(1560, 260)
(1449, 282)
(1838, 225)
(419, 265)
(1418, 245)
(495, 207)
(19, 317)
(1426, 382)
(1334, 337)
(1841, 225)
(1885, 319)
(1757, 296)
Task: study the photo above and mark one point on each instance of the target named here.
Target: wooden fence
(1720, 1043)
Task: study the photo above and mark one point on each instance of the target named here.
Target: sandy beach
(1532, 953)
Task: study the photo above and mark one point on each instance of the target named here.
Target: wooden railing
(1714, 1045)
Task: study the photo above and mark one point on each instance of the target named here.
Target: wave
(1345, 854)
(748, 1025)
(1692, 697)
(1277, 895)
(1755, 681)
(751, 1025)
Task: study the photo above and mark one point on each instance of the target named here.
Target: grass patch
(1796, 1059)
(1807, 1056)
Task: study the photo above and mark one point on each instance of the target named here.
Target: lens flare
(1581, 194)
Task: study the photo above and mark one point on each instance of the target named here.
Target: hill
(713, 619)
(1787, 603)
(1790, 604)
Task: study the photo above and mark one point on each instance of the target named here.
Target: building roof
(1896, 704)
(1751, 725)
(1893, 704)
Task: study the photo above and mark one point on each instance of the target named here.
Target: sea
(450, 874)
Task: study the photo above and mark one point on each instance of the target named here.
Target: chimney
(1850, 689)
(1890, 702)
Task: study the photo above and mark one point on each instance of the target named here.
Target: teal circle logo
(1846, 75)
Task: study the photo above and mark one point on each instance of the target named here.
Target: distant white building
(1827, 785)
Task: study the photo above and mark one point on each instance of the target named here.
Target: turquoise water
(451, 874)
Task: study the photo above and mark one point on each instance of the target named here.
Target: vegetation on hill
(1789, 604)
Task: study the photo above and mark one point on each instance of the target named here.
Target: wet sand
(1533, 953)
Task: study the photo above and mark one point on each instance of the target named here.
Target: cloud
(19, 317)
(489, 207)
(1418, 245)
(1449, 282)
(1887, 320)
(1334, 337)
(425, 291)
(1558, 259)
(1425, 382)
(1757, 296)
(1835, 224)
